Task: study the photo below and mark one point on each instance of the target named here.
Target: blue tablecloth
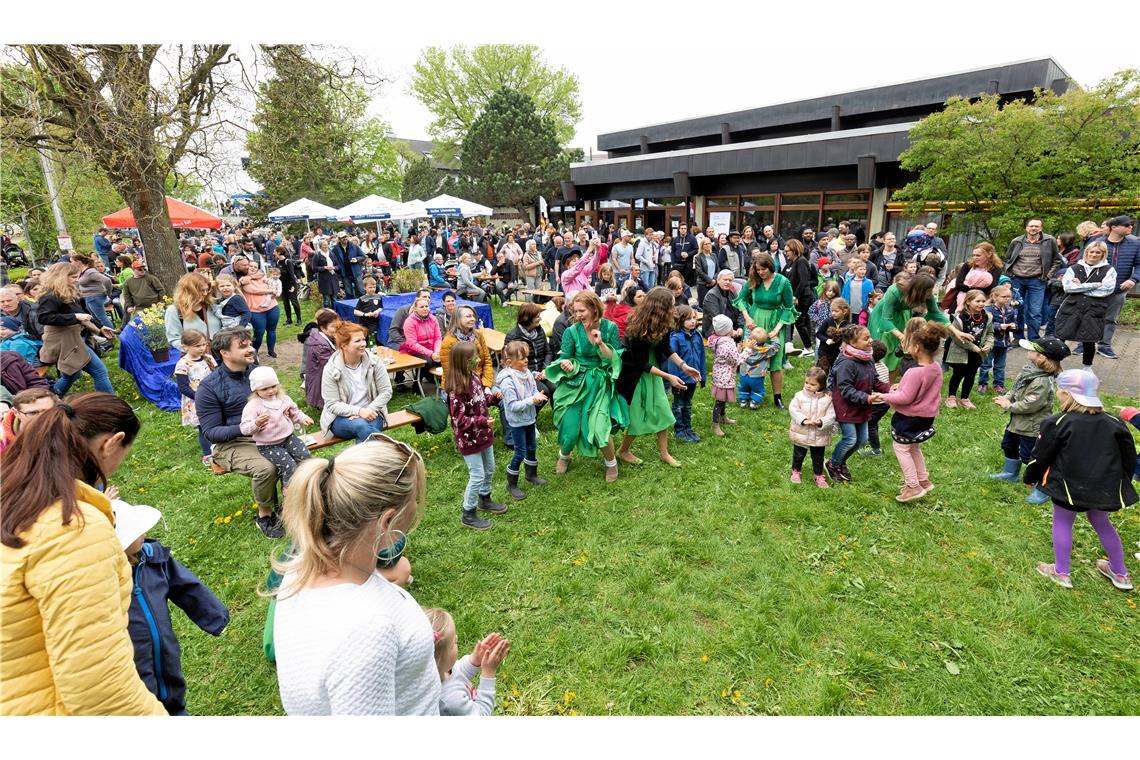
(152, 378)
(393, 301)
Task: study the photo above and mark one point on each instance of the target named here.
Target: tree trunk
(148, 204)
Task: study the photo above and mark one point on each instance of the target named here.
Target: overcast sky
(657, 62)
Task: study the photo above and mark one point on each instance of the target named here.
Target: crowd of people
(641, 325)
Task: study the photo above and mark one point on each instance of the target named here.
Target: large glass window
(793, 220)
(723, 200)
(799, 199)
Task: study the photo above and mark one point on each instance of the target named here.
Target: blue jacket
(159, 578)
(691, 348)
(435, 275)
(1125, 256)
(341, 257)
(220, 399)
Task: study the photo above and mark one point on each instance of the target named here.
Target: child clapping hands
(457, 696)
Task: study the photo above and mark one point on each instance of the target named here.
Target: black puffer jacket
(1084, 461)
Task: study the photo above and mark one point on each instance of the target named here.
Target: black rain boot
(778, 400)
(513, 487)
(532, 474)
(493, 507)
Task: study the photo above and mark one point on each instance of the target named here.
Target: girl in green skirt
(640, 383)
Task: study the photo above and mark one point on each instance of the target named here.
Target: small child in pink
(276, 412)
(726, 358)
(915, 400)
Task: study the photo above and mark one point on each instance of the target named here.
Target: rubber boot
(493, 507)
(532, 475)
(513, 486)
(1037, 496)
(717, 431)
(1010, 472)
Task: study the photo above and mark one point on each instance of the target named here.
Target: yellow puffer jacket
(64, 597)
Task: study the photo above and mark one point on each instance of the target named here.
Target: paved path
(1119, 378)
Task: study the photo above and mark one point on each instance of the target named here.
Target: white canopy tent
(302, 208)
(448, 205)
(413, 209)
(371, 208)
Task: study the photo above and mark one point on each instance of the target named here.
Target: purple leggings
(1063, 520)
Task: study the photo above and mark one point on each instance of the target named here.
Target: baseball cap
(1120, 221)
(1050, 348)
(1081, 385)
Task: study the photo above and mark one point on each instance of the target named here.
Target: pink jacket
(726, 358)
(919, 393)
(577, 277)
(280, 425)
(421, 335)
(258, 294)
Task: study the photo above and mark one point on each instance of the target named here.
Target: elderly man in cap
(1124, 256)
(735, 256)
(142, 289)
(349, 262)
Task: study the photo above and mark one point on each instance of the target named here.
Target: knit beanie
(722, 325)
(262, 377)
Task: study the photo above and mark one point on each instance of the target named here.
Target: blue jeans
(994, 360)
(480, 469)
(97, 305)
(525, 443)
(353, 286)
(854, 435)
(750, 390)
(1016, 446)
(265, 323)
(1030, 291)
(649, 278)
(95, 368)
(356, 427)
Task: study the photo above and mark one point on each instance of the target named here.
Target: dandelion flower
(704, 658)
(227, 519)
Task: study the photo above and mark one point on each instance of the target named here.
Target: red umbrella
(182, 216)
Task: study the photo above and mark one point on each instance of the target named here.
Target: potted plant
(151, 323)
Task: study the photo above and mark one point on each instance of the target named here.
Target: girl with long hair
(65, 318)
(643, 365)
(66, 585)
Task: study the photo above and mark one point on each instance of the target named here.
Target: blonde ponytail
(331, 503)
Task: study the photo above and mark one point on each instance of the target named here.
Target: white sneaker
(788, 365)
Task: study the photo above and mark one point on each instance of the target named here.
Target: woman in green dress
(586, 409)
(767, 303)
(642, 370)
(903, 300)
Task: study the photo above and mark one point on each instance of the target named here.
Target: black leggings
(1088, 351)
(964, 374)
(798, 454)
(718, 412)
(290, 300)
(878, 411)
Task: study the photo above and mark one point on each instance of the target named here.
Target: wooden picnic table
(398, 362)
(538, 293)
(494, 339)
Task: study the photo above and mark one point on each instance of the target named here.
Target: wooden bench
(515, 304)
(395, 420)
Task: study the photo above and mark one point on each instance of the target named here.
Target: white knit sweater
(355, 650)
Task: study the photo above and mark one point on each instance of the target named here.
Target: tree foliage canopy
(421, 180)
(310, 137)
(457, 85)
(511, 154)
(1007, 163)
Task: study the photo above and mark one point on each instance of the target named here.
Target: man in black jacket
(684, 251)
(719, 300)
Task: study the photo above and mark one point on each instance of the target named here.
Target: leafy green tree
(1056, 158)
(457, 85)
(421, 180)
(311, 137)
(511, 153)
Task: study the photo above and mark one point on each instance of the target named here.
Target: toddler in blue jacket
(688, 343)
(159, 578)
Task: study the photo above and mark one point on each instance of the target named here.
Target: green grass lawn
(717, 589)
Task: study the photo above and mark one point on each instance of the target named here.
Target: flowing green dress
(768, 307)
(891, 313)
(650, 410)
(586, 408)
